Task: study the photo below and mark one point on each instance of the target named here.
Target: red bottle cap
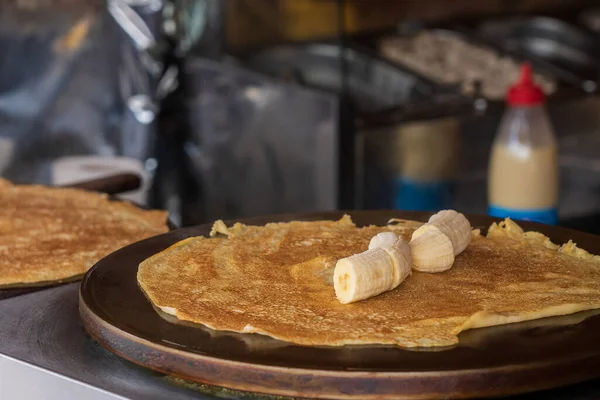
(525, 93)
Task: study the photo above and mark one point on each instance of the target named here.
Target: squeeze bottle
(523, 171)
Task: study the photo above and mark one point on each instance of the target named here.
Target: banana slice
(363, 275)
(383, 239)
(402, 258)
(372, 272)
(399, 251)
(452, 224)
(432, 251)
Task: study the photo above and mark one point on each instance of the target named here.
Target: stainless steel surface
(558, 43)
(24, 381)
(374, 84)
(44, 329)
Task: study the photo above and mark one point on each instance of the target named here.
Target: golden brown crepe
(276, 280)
(49, 234)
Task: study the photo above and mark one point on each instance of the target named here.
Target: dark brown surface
(8, 293)
(114, 184)
(493, 361)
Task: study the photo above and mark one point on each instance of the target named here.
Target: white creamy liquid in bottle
(523, 171)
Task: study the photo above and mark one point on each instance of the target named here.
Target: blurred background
(236, 108)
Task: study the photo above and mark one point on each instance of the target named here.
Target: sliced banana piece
(372, 272)
(383, 239)
(451, 223)
(402, 258)
(399, 251)
(432, 251)
(363, 275)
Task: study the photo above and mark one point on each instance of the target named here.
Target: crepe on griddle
(49, 235)
(276, 280)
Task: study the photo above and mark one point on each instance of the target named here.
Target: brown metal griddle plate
(494, 361)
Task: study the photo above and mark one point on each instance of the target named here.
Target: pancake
(50, 235)
(276, 280)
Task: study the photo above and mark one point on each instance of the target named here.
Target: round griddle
(502, 360)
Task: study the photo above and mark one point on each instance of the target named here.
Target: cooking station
(46, 352)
